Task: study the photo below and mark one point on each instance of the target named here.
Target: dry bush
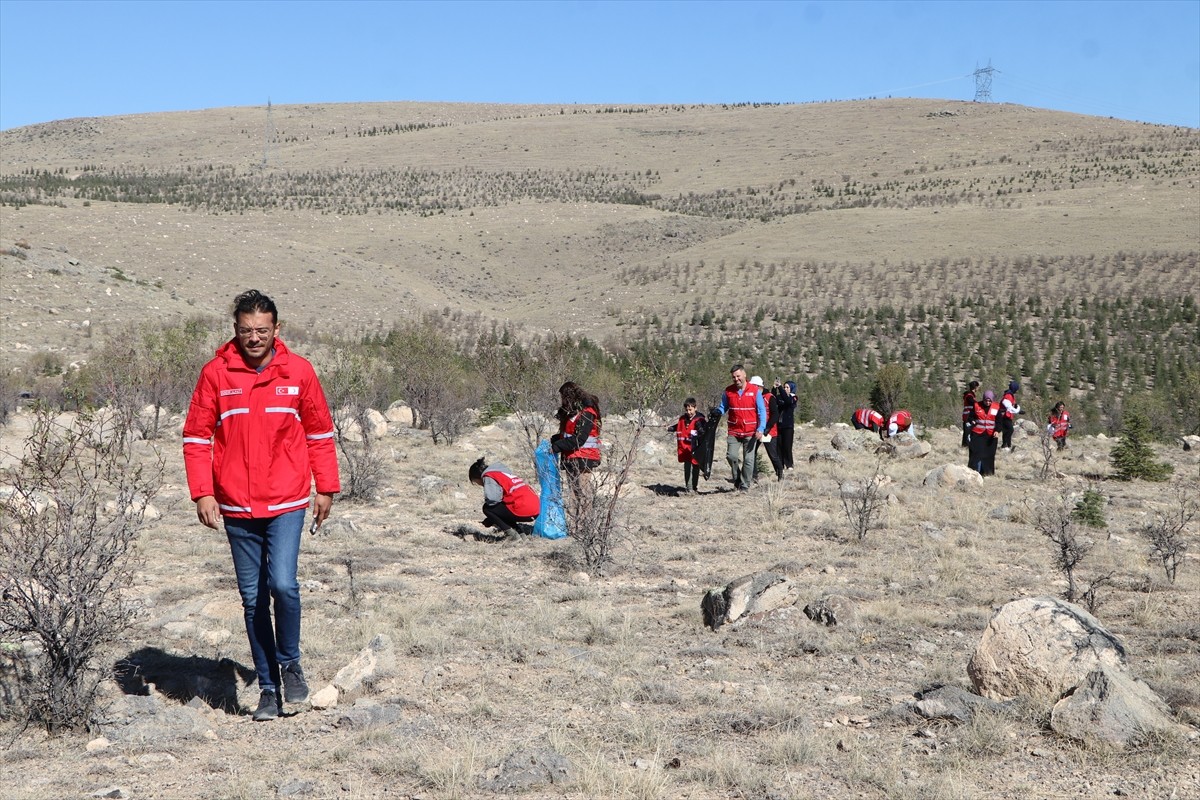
(354, 384)
(67, 531)
(864, 501)
(1168, 534)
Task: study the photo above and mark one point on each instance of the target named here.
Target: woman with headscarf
(982, 448)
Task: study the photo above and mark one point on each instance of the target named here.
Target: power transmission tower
(983, 83)
(268, 136)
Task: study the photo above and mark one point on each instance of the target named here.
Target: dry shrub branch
(69, 520)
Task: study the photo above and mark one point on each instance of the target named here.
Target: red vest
(985, 419)
(591, 448)
(768, 399)
(1060, 425)
(869, 418)
(685, 438)
(742, 410)
(519, 498)
(1012, 399)
(968, 404)
(902, 420)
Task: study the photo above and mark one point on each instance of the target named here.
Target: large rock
(831, 610)
(852, 440)
(952, 703)
(399, 413)
(746, 596)
(908, 447)
(1112, 707)
(953, 476)
(1040, 647)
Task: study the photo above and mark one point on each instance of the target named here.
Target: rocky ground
(482, 667)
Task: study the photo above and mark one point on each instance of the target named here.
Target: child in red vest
(688, 431)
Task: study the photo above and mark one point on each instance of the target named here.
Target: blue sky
(1132, 60)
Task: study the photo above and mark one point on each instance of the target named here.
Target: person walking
(258, 434)
(747, 419)
(508, 502)
(868, 419)
(982, 449)
(1059, 424)
(688, 429)
(770, 437)
(968, 407)
(785, 394)
(1008, 410)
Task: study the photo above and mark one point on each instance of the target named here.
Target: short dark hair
(475, 473)
(691, 401)
(735, 368)
(254, 302)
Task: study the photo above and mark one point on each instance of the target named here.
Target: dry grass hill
(620, 223)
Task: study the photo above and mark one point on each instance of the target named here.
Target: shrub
(1089, 509)
(890, 383)
(67, 533)
(1168, 533)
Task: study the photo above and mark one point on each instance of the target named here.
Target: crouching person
(508, 502)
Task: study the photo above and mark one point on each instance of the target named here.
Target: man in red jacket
(258, 432)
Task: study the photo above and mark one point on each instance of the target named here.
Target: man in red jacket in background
(258, 432)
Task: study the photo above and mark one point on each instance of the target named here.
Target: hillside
(568, 211)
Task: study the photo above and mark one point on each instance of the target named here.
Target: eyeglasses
(262, 333)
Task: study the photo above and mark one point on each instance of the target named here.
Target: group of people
(259, 435)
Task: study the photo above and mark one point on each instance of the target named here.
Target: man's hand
(321, 505)
(208, 512)
(758, 436)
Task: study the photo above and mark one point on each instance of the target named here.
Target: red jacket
(255, 441)
(1012, 401)
(519, 498)
(968, 404)
(984, 416)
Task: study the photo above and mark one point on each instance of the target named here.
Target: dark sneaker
(268, 706)
(295, 688)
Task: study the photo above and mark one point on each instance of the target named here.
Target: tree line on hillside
(446, 365)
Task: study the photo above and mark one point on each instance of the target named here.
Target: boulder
(1190, 443)
(1027, 427)
(1040, 647)
(952, 476)
(1112, 707)
(399, 413)
(811, 516)
(746, 596)
(832, 610)
(908, 447)
(851, 439)
(952, 703)
(832, 456)
(527, 769)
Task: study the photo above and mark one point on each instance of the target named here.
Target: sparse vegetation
(1168, 534)
(1133, 458)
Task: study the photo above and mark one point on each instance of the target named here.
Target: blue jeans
(265, 552)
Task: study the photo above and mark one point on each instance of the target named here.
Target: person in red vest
(868, 419)
(1008, 410)
(577, 442)
(899, 422)
(982, 449)
(257, 437)
(508, 502)
(968, 407)
(1059, 424)
(688, 429)
(743, 402)
(770, 437)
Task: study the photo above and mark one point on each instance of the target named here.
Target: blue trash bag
(552, 521)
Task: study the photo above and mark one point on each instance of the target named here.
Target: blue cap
(1014, 387)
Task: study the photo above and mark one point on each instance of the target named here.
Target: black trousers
(691, 475)
(966, 434)
(787, 436)
(982, 450)
(773, 454)
(501, 517)
(1005, 424)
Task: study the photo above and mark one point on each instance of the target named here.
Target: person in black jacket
(785, 395)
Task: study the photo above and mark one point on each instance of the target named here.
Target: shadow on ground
(182, 678)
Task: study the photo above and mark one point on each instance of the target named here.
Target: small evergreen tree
(890, 382)
(1133, 456)
(1089, 509)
